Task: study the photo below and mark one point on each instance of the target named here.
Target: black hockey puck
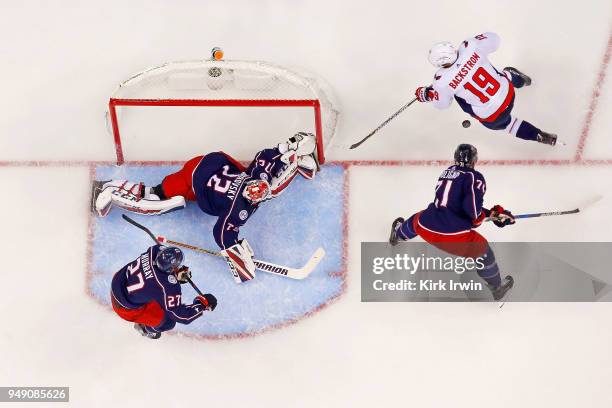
(466, 123)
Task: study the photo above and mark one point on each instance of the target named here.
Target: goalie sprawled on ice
(222, 187)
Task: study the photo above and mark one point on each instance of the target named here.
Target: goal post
(222, 84)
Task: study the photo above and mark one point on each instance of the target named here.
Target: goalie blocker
(239, 258)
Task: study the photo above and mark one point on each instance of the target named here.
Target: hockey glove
(208, 301)
(183, 274)
(501, 217)
(425, 93)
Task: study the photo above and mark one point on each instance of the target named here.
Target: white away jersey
(473, 79)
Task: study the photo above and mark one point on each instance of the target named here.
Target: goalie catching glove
(500, 217)
(239, 258)
(299, 153)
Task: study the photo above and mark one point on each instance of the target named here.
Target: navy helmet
(169, 259)
(466, 155)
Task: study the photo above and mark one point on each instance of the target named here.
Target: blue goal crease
(286, 230)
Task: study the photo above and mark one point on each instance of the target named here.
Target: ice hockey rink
(61, 62)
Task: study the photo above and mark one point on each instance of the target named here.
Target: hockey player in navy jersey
(466, 75)
(221, 187)
(449, 221)
(147, 291)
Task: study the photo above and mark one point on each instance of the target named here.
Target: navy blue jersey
(458, 202)
(218, 182)
(141, 282)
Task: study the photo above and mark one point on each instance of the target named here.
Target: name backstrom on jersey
(465, 69)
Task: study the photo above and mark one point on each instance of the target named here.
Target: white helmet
(442, 53)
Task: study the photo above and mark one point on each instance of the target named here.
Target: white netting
(229, 81)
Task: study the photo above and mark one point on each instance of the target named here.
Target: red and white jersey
(474, 79)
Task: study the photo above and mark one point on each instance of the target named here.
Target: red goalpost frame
(114, 102)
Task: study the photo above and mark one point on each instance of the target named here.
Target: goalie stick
(145, 229)
(293, 273)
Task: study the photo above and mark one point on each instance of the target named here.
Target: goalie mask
(169, 259)
(256, 191)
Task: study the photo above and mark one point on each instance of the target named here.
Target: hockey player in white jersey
(482, 91)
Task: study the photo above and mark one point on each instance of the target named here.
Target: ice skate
(142, 329)
(503, 289)
(547, 138)
(393, 239)
(514, 71)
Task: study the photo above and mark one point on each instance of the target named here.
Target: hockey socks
(406, 230)
(522, 129)
(516, 80)
(490, 271)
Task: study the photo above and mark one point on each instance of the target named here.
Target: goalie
(221, 187)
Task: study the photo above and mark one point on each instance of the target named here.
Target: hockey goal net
(182, 109)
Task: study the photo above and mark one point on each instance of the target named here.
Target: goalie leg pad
(239, 258)
(129, 196)
(102, 193)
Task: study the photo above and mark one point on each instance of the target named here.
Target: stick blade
(310, 265)
(588, 203)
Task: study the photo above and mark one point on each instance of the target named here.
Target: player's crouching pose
(448, 222)
(147, 291)
(222, 187)
(482, 91)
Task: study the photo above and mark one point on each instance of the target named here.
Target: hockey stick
(547, 214)
(293, 273)
(145, 229)
(389, 119)
(551, 213)
(542, 214)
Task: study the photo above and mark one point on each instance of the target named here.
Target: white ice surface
(61, 60)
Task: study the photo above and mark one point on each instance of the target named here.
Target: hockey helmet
(442, 53)
(466, 155)
(256, 190)
(169, 259)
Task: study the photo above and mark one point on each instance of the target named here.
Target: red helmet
(256, 190)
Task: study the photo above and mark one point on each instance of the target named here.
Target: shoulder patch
(243, 215)
(172, 279)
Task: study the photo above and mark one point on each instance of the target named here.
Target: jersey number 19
(486, 82)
